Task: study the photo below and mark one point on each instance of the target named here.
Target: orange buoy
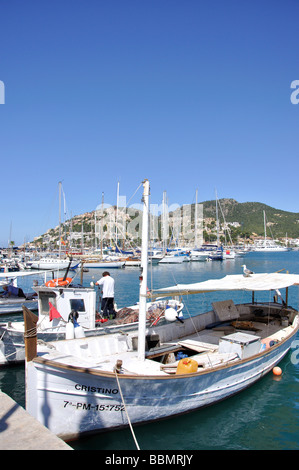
(59, 282)
(187, 366)
(277, 371)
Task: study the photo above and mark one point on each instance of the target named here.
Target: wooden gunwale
(91, 371)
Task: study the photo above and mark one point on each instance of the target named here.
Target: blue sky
(189, 94)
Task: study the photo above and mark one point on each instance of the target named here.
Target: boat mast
(217, 218)
(116, 217)
(102, 215)
(195, 223)
(143, 275)
(265, 243)
(164, 224)
(59, 219)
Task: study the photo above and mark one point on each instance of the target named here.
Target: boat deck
(164, 343)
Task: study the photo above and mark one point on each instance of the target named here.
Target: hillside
(246, 221)
(251, 219)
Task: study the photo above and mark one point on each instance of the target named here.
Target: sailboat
(102, 261)
(58, 263)
(95, 384)
(64, 305)
(268, 246)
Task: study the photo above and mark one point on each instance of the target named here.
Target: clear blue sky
(190, 94)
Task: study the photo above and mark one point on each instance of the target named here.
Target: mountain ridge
(245, 221)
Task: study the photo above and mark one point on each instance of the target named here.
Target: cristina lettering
(88, 388)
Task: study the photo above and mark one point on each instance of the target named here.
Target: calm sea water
(264, 417)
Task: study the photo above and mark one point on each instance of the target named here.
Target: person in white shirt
(107, 283)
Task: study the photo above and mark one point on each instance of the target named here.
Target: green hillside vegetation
(251, 218)
(248, 218)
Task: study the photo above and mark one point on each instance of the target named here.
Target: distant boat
(58, 263)
(175, 258)
(155, 256)
(268, 246)
(54, 264)
(228, 253)
(217, 255)
(14, 304)
(202, 253)
(103, 264)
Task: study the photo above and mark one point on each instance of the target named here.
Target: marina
(261, 398)
(164, 320)
(160, 371)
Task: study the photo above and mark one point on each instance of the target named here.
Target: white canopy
(14, 274)
(255, 282)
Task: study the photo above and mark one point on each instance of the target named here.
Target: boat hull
(16, 305)
(75, 401)
(53, 265)
(103, 264)
(12, 346)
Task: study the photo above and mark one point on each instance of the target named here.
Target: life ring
(59, 282)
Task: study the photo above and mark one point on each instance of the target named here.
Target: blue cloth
(12, 290)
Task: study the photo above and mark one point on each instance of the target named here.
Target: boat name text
(88, 388)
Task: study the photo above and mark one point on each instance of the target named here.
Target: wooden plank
(226, 310)
(198, 346)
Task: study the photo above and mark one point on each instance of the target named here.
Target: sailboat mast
(116, 221)
(59, 219)
(217, 218)
(265, 229)
(143, 275)
(102, 215)
(195, 222)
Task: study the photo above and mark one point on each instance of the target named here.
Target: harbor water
(263, 417)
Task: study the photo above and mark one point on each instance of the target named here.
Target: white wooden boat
(100, 383)
(13, 304)
(83, 300)
(94, 264)
(174, 258)
(54, 264)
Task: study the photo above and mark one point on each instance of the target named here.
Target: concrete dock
(20, 431)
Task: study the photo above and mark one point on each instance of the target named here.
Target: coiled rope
(30, 333)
